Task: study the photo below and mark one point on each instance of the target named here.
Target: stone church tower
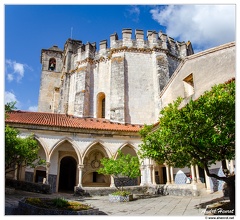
(120, 83)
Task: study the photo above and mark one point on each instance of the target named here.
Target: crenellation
(127, 37)
(163, 38)
(90, 50)
(183, 49)
(153, 39)
(139, 36)
(113, 73)
(113, 40)
(103, 45)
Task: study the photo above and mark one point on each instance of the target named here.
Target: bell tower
(52, 63)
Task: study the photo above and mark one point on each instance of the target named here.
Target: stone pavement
(155, 206)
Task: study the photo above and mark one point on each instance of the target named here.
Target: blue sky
(30, 28)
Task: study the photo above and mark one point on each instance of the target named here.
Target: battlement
(154, 41)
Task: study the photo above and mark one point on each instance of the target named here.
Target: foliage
(121, 193)
(57, 203)
(124, 166)
(202, 132)
(19, 151)
(10, 106)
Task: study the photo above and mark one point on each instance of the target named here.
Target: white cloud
(10, 97)
(15, 70)
(204, 25)
(33, 108)
(133, 13)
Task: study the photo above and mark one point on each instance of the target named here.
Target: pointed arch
(71, 141)
(43, 144)
(124, 146)
(90, 148)
(92, 160)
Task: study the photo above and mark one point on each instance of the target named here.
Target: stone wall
(127, 73)
(211, 67)
(28, 186)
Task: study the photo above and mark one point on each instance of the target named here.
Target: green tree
(10, 106)
(202, 132)
(122, 168)
(19, 152)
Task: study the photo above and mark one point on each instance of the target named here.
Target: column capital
(80, 166)
(150, 166)
(48, 164)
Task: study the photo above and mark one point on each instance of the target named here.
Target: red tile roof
(67, 121)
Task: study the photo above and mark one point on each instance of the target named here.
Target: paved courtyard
(156, 206)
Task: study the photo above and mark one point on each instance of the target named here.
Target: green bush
(121, 193)
(60, 202)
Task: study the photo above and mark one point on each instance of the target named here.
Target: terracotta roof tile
(67, 121)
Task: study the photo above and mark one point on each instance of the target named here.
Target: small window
(52, 64)
(188, 85)
(101, 105)
(40, 175)
(103, 108)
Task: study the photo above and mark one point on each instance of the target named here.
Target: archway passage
(67, 176)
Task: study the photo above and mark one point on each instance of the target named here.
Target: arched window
(52, 64)
(101, 105)
(103, 108)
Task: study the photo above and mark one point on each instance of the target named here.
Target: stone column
(47, 171)
(193, 174)
(171, 174)
(15, 172)
(232, 166)
(197, 174)
(168, 175)
(207, 180)
(112, 184)
(80, 170)
(142, 168)
(150, 179)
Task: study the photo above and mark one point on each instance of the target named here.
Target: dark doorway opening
(40, 174)
(67, 176)
(95, 177)
(201, 174)
(164, 172)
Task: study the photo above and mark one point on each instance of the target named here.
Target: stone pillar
(207, 180)
(80, 170)
(197, 174)
(171, 174)
(193, 174)
(47, 171)
(231, 166)
(168, 175)
(112, 184)
(143, 175)
(15, 172)
(149, 177)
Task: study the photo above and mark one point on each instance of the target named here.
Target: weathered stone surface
(126, 73)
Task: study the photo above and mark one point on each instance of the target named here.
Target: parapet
(154, 41)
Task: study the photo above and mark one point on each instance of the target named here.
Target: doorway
(67, 177)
